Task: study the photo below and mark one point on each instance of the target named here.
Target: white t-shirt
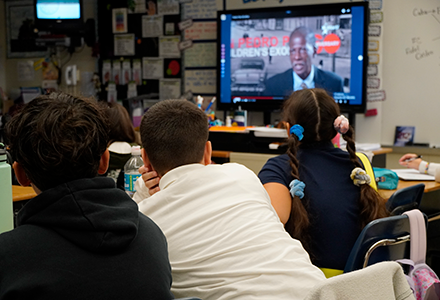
(225, 240)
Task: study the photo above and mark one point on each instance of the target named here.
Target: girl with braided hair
(321, 193)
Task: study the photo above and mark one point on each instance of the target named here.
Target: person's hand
(410, 160)
(151, 179)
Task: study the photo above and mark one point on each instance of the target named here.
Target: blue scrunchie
(297, 130)
(297, 188)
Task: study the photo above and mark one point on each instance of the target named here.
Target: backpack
(386, 179)
(423, 281)
(368, 169)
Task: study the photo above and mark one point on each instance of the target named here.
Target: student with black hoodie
(80, 237)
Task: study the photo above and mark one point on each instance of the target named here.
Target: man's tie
(304, 86)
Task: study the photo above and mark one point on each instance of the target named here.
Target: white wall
(412, 78)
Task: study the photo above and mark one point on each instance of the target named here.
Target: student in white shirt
(225, 240)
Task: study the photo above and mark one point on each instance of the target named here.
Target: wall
(9, 79)
(411, 84)
(411, 69)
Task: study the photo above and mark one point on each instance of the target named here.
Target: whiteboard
(411, 69)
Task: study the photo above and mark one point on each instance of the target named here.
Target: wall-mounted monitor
(265, 54)
(59, 16)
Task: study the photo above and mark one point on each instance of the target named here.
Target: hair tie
(341, 124)
(297, 130)
(297, 188)
(359, 176)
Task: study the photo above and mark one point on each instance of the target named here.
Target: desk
(20, 193)
(430, 186)
(430, 204)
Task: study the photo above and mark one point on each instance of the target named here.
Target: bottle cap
(135, 150)
(3, 156)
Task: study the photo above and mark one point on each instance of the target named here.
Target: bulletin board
(162, 49)
(139, 46)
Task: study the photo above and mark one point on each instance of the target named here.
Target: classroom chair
(385, 239)
(405, 199)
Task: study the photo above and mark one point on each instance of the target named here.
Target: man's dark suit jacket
(282, 84)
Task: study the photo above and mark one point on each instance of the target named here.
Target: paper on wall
(201, 55)
(169, 89)
(169, 46)
(201, 81)
(25, 70)
(168, 7)
(124, 44)
(200, 9)
(119, 20)
(201, 31)
(152, 26)
(152, 68)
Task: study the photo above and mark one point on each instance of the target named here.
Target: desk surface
(22, 193)
(382, 151)
(430, 186)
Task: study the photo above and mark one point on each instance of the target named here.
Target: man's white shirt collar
(297, 81)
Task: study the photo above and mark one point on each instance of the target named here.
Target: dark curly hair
(58, 138)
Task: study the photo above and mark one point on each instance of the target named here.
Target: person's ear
(22, 178)
(103, 163)
(146, 160)
(207, 153)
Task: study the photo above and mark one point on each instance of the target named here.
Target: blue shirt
(333, 199)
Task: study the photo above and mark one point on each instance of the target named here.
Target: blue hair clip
(297, 130)
(297, 188)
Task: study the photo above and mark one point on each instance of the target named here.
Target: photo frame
(404, 136)
(20, 34)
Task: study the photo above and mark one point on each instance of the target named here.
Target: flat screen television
(59, 16)
(264, 54)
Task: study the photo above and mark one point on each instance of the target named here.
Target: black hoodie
(84, 240)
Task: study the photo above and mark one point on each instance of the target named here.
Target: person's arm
(280, 199)
(411, 160)
(428, 168)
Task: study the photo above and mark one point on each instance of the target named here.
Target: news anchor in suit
(303, 74)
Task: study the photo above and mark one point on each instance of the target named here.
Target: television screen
(265, 54)
(59, 17)
(56, 9)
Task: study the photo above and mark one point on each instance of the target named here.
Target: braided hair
(316, 111)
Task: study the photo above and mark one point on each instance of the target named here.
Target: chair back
(405, 199)
(385, 239)
(381, 240)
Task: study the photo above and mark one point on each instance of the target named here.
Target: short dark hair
(58, 138)
(174, 133)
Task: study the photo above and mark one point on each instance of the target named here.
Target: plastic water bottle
(131, 170)
(6, 212)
